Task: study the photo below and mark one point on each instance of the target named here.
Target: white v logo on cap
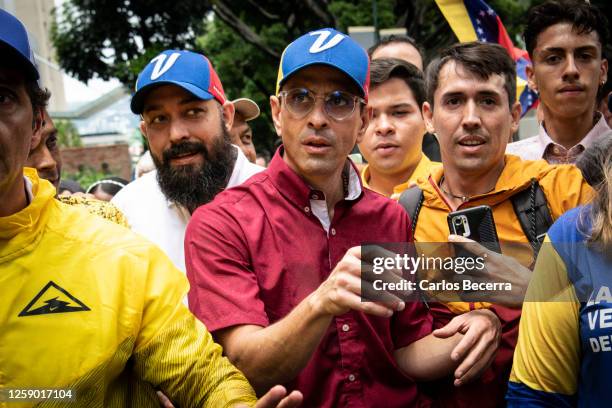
(318, 45)
(162, 65)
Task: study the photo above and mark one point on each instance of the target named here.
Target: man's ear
(37, 120)
(275, 106)
(427, 111)
(603, 71)
(366, 115)
(229, 110)
(531, 82)
(515, 111)
(37, 127)
(143, 130)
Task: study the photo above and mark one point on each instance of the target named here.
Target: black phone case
(481, 224)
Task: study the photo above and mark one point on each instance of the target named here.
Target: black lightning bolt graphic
(53, 305)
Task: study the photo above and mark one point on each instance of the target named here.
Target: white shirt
(318, 203)
(163, 222)
(535, 147)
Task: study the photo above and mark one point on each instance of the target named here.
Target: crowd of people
(214, 281)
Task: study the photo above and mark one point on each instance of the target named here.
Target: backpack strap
(531, 208)
(412, 200)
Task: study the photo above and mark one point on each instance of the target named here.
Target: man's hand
(345, 290)
(498, 269)
(476, 351)
(277, 398)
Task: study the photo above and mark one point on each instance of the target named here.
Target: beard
(193, 185)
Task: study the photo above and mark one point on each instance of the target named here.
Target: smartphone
(477, 224)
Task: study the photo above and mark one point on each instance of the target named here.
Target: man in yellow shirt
(392, 142)
(471, 93)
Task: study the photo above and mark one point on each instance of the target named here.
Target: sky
(78, 92)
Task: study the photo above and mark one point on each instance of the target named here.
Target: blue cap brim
(329, 64)
(30, 68)
(137, 103)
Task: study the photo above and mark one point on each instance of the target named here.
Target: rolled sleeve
(224, 289)
(411, 324)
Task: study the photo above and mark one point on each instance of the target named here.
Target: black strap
(412, 200)
(531, 208)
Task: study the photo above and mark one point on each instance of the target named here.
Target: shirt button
(307, 209)
(352, 377)
(345, 327)
(333, 231)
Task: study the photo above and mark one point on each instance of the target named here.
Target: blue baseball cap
(328, 47)
(15, 36)
(191, 71)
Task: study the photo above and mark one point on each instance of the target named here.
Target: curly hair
(39, 97)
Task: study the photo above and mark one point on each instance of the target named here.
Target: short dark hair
(582, 15)
(109, 185)
(38, 96)
(384, 69)
(478, 58)
(393, 39)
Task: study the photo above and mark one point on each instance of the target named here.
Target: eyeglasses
(338, 105)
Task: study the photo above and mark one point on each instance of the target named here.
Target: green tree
(243, 38)
(86, 176)
(116, 38)
(67, 134)
(245, 46)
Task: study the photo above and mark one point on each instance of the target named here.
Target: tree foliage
(243, 38)
(116, 38)
(67, 134)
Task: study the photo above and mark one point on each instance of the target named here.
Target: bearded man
(186, 120)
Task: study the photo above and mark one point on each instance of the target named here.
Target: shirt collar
(421, 171)
(24, 227)
(241, 162)
(28, 189)
(365, 176)
(600, 127)
(296, 190)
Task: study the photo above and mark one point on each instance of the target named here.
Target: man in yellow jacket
(473, 110)
(89, 313)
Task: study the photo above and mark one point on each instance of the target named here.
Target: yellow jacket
(563, 186)
(421, 172)
(89, 306)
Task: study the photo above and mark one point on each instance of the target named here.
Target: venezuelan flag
(475, 20)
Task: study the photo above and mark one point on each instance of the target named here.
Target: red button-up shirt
(257, 251)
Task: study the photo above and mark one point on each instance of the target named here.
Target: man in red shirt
(275, 263)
